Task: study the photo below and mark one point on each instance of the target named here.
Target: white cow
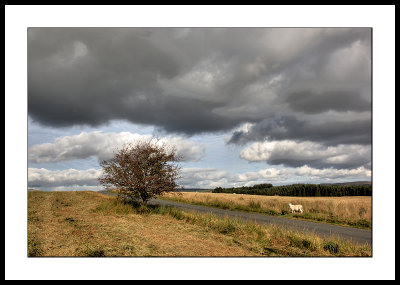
(296, 208)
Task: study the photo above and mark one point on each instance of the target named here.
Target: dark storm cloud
(332, 100)
(284, 81)
(357, 131)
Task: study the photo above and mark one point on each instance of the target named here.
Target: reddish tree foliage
(142, 170)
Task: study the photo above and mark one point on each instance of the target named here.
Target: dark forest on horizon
(301, 190)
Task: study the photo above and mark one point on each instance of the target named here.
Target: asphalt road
(356, 235)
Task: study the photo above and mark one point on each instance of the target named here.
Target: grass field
(84, 223)
(352, 211)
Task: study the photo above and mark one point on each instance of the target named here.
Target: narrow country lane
(357, 235)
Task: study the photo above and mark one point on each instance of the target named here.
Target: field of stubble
(355, 211)
(90, 224)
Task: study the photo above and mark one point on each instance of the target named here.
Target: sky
(242, 106)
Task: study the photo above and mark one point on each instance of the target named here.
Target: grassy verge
(95, 225)
(340, 211)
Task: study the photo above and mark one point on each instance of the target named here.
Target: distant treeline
(302, 190)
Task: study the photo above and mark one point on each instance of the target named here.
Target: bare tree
(142, 170)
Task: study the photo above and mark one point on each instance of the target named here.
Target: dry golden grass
(349, 210)
(67, 224)
(92, 224)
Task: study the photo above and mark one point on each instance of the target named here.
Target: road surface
(356, 235)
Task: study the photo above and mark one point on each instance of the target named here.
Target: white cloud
(245, 127)
(40, 177)
(204, 177)
(269, 174)
(189, 150)
(214, 177)
(329, 173)
(102, 146)
(292, 153)
(304, 174)
(207, 178)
